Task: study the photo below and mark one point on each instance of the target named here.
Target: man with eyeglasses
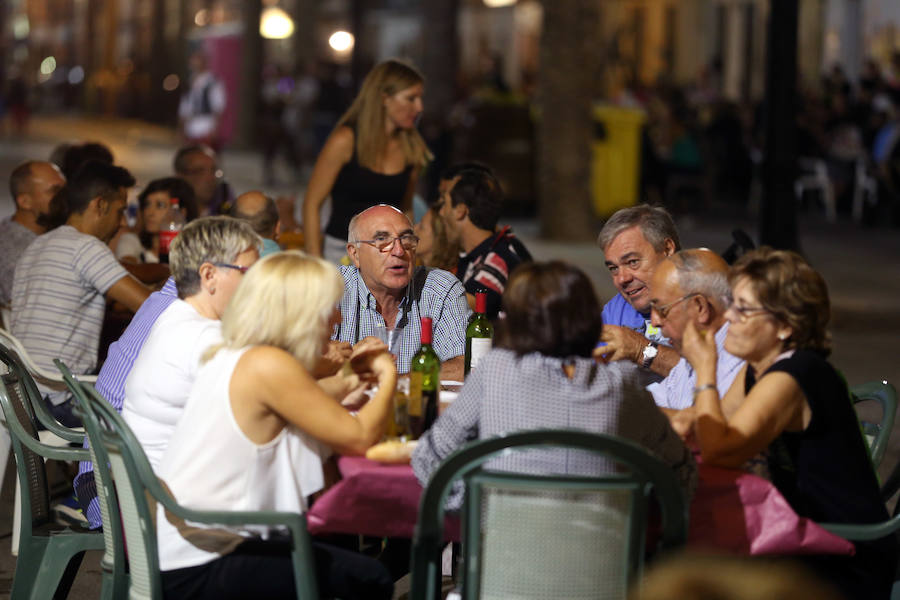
(634, 241)
(470, 203)
(383, 287)
(691, 286)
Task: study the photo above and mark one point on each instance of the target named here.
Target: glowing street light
(275, 24)
(499, 3)
(341, 41)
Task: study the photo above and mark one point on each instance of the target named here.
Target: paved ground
(861, 266)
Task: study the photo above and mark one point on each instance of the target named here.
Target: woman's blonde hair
(366, 115)
(283, 301)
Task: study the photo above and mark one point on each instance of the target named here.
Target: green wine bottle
(479, 333)
(424, 384)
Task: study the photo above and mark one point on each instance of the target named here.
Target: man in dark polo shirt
(470, 204)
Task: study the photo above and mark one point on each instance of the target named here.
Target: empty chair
(542, 536)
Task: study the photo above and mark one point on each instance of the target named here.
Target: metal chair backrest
(877, 435)
(138, 490)
(548, 535)
(113, 561)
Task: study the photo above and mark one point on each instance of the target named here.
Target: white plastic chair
(48, 379)
(815, 178)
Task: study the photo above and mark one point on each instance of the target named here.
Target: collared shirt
(14, 239)
(431, 293)
(487, 267)
(509, 393)
(111, 381)
(269, 247)
(619, 312)
(677, 390)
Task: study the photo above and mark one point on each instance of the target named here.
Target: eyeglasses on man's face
(385, 241)
(240, 268)
(663, 310)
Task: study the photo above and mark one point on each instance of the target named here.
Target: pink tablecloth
(732, 511)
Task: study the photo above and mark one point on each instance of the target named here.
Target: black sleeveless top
(358, 188)
(825, 473)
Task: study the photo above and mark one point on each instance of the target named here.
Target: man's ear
(99, 205)
(669, 247)
(23, 202)
(460, 211)
(353, 253)
(704, 310)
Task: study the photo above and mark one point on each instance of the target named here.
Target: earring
(212, 290)
(782, 336)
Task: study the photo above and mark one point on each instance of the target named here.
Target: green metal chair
(113, 563)
(543, 536)
(49, 554)
(877, 435)
(138, 490)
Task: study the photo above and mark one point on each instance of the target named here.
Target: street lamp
(341, 41)
(498, 3)
(275, 24)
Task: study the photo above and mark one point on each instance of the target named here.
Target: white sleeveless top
(212, 465)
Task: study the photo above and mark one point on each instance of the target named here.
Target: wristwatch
(649, 353)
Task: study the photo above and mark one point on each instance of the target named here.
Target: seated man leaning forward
(691, 286)
(65, 277)
(634, 240)
(384, 287)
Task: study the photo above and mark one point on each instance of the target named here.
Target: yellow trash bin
(616, 164)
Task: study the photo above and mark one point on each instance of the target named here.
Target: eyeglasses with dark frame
(663, 311)
(240, 268)
(384, 242)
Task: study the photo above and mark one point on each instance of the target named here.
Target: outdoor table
(732, 511)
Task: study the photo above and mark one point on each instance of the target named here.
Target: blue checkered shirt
(431, 293)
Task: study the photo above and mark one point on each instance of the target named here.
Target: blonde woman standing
(373, 156)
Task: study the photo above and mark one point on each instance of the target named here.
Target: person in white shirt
(208, 260)
(201, 108)
(254, 431)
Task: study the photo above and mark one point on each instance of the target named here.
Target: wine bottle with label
(479, 333)
(424, 384)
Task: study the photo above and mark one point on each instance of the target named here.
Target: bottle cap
(426, 330)
(481, 302)
(173, 201)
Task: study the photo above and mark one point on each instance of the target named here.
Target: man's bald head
(259, 210)
(355, 229)
(690, 285)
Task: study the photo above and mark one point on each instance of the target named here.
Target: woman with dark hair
(373, 156)
(154, 203)
(540, 374)
(793, 406)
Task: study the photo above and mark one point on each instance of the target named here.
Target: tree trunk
(569, 57)
(441, 59)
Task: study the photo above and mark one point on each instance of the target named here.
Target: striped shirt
(487, 267)
(111, 381)
(677, 389)
(431, 293)
(506, 394)
(59, 299)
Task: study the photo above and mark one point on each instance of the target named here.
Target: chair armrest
(861, 532)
